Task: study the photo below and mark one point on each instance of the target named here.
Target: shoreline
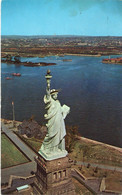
(89, 55)
(26, 55)
(80, 137)
(101, 143)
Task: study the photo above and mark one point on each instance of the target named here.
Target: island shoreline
(80, 137)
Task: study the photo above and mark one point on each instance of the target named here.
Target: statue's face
(54, 96)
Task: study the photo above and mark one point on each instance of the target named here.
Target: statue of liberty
(54, 143)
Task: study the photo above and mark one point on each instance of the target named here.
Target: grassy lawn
(95, 153)
(10, 154)
(32, 142)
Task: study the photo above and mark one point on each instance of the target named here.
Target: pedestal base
(53, 177)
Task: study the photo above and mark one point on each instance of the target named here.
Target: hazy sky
(61, 17)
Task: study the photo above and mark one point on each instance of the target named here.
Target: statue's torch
(48, 77)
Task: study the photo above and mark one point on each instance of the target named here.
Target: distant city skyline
(61, 17)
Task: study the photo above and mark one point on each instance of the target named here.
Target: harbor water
(91, 89)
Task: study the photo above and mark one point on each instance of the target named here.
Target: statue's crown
(54, 91)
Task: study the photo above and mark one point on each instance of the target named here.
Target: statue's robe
(55, 123)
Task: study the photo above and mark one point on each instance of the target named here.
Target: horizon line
(70, 35)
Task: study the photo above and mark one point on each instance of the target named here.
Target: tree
(71, 137)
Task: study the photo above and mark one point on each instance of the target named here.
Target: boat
(16, 74)
(8, 78)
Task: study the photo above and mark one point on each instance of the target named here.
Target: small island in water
(112, 60)
(17, 60)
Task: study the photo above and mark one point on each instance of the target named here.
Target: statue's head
(54, 93)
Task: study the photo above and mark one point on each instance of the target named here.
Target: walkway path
(23, 169)
(101, 166)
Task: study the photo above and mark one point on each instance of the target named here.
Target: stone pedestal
(53, 155)
(53, 177)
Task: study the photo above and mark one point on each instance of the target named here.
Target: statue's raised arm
(48, 78)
